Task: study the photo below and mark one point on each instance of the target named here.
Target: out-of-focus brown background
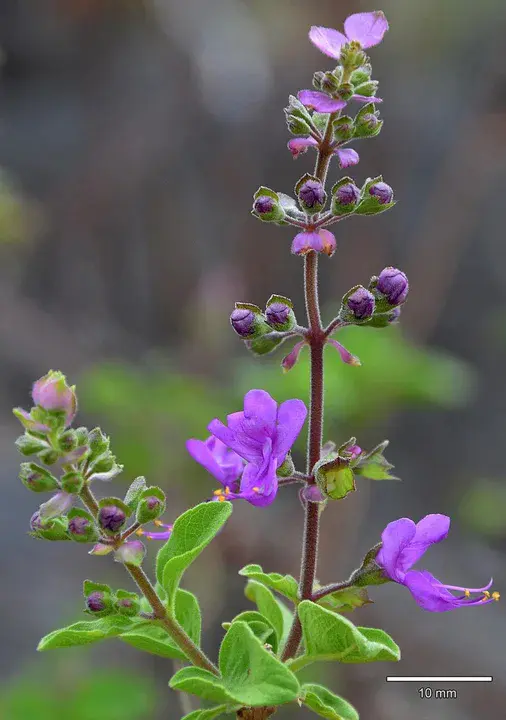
(132, 137)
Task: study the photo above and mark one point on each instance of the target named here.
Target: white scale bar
(437, 678)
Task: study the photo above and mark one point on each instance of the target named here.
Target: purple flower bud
(277, 313)
(393, 283)
(369, 122)
(79, 525)
(95, 602)
(394, 315)
(382, 192)
(288, 362)
(243, 321)
(111, 518)
(312, 195)
(264, 204)
(345, 198)
(361, 304)
(153, 503)
(51, 392)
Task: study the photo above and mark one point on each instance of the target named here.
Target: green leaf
(209, 714)
(267, 606)
(329, 636)
(192, 532)
(326, 704)
(202, 683)
(151, 637)
(284, 584)
(251, 674)
(346, 600)
(85, 633)
(261, 626)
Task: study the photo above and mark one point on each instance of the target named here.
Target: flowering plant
(250, 456)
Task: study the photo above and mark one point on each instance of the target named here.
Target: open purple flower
(345, 156)
(157, 534)
(262, 435)
(367, 29)
(320, 240)
(225, 464)
(403, 544)
(323, 103)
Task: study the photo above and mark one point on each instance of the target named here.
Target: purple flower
(224, 464)
(323, 103)
(262, 435)
(320, 240)
(157, 535)
(346, 156)
(51, 392)
(361, 304)
(403, 544)
(393, 283)
(367, 29)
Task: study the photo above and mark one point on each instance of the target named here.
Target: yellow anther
(218, 492)
(467, 593)
(139, 532)
(157, 522)
(227, 491)
(496, 595)
(487, 594)
(221, 498)
(148, 537)
(256, 489)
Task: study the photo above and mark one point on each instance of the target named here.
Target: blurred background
(132, 137)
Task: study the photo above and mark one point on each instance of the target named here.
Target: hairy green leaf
(85, 632)
(324, 703)
(284, 584)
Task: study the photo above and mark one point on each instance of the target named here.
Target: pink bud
(131, 553)
(51, 392)
(289, 361)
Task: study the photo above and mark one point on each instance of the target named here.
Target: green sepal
(336, 208)
(334, 476)
(260, 325)
(296, 108)
(369, 572)
(373, 465)
(361, 75)
(117, 502)
(345, 600)
(369, 204)
(343, 128)
(126, 603)
(72, 482)
(54, 530)
(49, 457)
(67, 441)
(37, 478)
(85, 632)
(29, 444)
(89, 586)
(332, 637)
(134, 492)
(369, 88)
(266, 191)
(91, 533)
(320, 121)
(284, 584)
(300, 182)
(364, 128)
(279, 299)
(143, 513)
(287, 467)
(191, 533)
(323, 702)
(251, 674)
(263, 345)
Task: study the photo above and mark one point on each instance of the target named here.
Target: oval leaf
(85, 633)
(326, 704)
(284, 584)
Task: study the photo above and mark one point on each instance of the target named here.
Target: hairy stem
(177, 633)
(316, 340)
(328, 589)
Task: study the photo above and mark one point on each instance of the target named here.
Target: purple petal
(289, 360)
(320, 102)
(431, 595)
(366, 28)
(201, 453)
(347, 157)
(291, 417)
(229, 437)
(366, 99)
(25, 419)
(259, 484)
(305, 241)
(327, 40)
(260, 411)
(328, 241)
(56, 506)
(249, 442)
(430, 530)
(395, 537)
(297, 146)
(345, 354)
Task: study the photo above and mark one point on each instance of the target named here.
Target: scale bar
(439, 678)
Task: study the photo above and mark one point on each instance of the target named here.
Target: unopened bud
(72, 482)
(312, 196)
(360, 304)
(151, 505)
(30, 445)
(345, 196)
(111, 519)
(82, 527)
(393, 284)
(96, 602)
(127, 603)
(345, 91)
(131, 553)
(343, 128)
(67, 441)
(243, 321)
(266, 205)
(37, 478)
(279, 313)
(382, 192)
(52, 393)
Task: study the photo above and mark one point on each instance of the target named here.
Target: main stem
(177, 633)
(316, 340)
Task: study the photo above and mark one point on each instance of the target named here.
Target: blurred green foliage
(483, 508)
(150, 412)
(103, 695)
